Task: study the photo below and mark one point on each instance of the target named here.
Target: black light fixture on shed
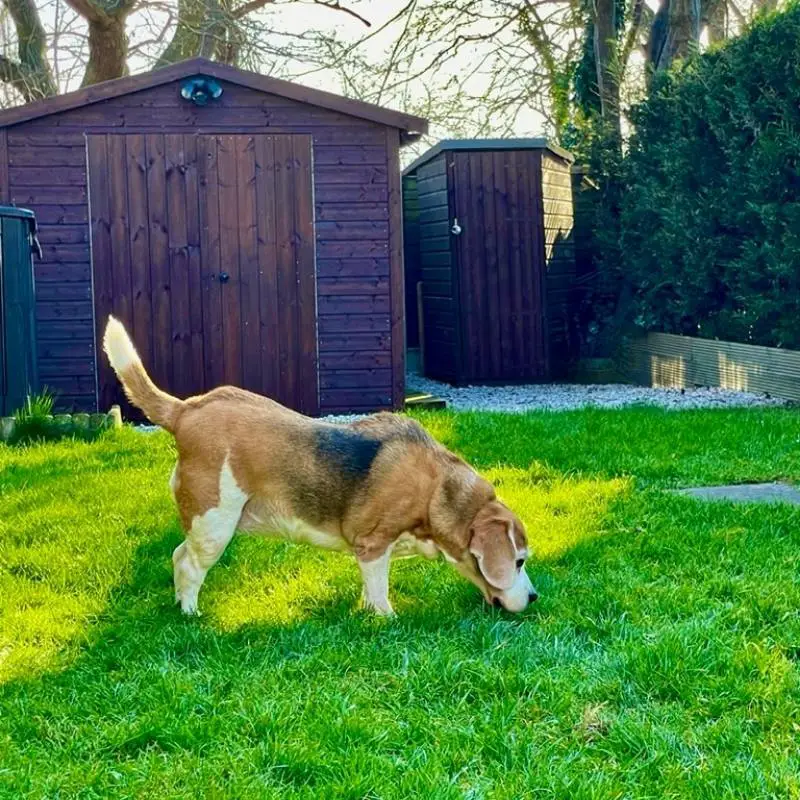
(200, 90)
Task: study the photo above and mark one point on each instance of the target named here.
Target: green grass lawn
(660, 662)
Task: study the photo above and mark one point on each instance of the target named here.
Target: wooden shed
(494, 254)
(247, 230)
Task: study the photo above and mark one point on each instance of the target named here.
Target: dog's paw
(382, 610)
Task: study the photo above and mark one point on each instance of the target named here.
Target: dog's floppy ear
(491, 545)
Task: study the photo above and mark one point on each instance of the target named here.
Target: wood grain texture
(397, 286)
(352, 171)
(307, 390)
(5, 196)
(177, 268)
(246, 178)
(483, 300)
(160, 298)
(217, 210)
(269, 327)
(100, 222)
(235, 77)
(139, 245)
(209, 220)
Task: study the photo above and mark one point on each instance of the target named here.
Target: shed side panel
(47, 172)
(411, 256)
(559, 249)
(438, 301)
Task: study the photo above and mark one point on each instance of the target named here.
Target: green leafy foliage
(34, 421)
(709, 212)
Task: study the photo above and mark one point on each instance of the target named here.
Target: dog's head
(495, 558)
(482, 538)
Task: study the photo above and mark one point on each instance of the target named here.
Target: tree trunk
(108, 49)
(198, 32)
(675, 33)
(608, 67)
(31, 75)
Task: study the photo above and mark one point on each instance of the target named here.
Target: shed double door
(203, 245)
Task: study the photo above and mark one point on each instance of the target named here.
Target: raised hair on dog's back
(158, 406)
(377, 488)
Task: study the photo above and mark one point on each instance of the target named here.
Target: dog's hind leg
(206, 540)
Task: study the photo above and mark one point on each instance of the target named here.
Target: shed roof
(447, 145)
(410, 125)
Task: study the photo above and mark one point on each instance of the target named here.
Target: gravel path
(567, 396)
(563, 397)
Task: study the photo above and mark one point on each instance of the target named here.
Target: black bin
(18, 372)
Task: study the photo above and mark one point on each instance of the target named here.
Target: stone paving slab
(746, 493)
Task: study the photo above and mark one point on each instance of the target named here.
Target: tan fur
(246, 462)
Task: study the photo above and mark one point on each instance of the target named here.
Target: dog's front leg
(375, 573)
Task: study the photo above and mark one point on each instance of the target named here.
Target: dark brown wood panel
(287, 297)
(498, 323)
(229, 259)
(534, 247)
(351, 204)
(353, 154)
(260, 85)
(397, 294)
(213, 350)
(248, 261)
(192, 203)
(191, 179)
(47, 176)
(53, 156)
(64, 214)
(160, 289)
(307, 392)
(100, 216)
(269, 328)
(178, 264)
(4, 177)
(139, 247)
(63, 273)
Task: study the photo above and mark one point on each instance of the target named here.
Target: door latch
(455, 228)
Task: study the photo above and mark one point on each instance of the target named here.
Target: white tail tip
(118, 346)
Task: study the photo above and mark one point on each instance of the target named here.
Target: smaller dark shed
(489, 236)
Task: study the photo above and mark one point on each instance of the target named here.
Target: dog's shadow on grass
(279, 597)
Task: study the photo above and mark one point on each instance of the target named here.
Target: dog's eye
(520, 563)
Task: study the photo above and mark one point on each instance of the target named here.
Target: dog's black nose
(533, 597)
(497, 603)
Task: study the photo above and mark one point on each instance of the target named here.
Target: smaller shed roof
(410, 125)
(447, 145)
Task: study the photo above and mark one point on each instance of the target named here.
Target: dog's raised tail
(158, 406)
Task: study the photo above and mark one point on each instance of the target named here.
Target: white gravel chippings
(568, 396)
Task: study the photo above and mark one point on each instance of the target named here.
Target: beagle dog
(377, 488)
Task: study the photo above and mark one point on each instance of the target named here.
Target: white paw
(190, 609)
(379, 609)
